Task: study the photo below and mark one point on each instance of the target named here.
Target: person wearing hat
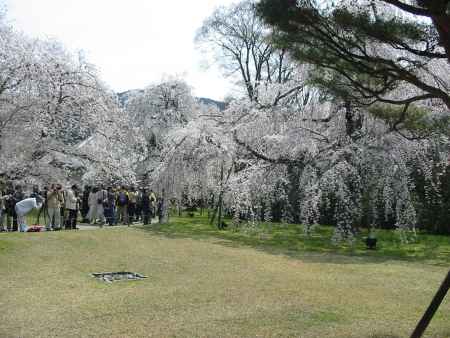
(55, 200)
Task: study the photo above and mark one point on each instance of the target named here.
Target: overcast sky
(133, 43)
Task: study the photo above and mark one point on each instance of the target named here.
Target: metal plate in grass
(110, 277)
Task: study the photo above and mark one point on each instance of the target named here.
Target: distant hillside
(220, 104)
(124, 97)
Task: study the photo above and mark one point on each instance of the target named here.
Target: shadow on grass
(290, 240)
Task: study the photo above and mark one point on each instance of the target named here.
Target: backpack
(123, 198)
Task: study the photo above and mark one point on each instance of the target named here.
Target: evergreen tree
(390, 55)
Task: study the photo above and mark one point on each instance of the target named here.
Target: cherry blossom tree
(52, 103)
(292, 149)
(197, 161)
(154, 111)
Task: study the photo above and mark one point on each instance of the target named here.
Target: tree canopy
(343, 118)
(380, 53)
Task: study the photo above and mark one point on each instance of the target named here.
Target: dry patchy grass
(204, 287)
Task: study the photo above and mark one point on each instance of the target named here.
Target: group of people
(60, 207)
(121, 205)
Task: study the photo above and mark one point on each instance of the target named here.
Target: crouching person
(22, 208)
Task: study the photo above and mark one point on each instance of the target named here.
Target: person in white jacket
(92, 201)
(22, 208)
(71, 206)
(96, 200)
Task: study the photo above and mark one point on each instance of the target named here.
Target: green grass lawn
(265, 282)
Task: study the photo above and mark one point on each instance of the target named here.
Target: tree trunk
(202, 201)
(164, 212)
(293, 193)
(213, 216)
(219, 218)
(442, 25)
(353, 122)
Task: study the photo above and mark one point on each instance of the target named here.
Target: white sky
(133, 43)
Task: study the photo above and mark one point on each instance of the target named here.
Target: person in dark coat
(110, 206)
(17, 196)
(145, 206)
(36, 194)
(84, 210)
(9, 204)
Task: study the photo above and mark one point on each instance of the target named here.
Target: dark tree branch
(408, 8)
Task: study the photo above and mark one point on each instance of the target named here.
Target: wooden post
(432, 308)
